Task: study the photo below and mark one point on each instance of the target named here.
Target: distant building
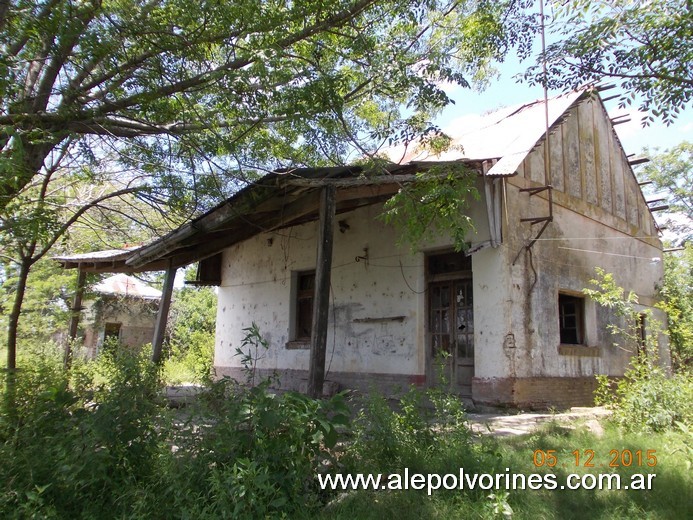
(123, 308)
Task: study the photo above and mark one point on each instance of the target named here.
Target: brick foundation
(297, 380)
(535, 392)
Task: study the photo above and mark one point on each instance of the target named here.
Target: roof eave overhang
(278, 201)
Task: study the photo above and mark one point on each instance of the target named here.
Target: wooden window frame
(567, 333)
(301, 322)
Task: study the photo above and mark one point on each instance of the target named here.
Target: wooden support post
(321, 300)
(75, 316)
(162, 316)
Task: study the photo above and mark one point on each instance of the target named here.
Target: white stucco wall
(256, 287)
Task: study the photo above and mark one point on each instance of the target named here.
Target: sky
(506, 91)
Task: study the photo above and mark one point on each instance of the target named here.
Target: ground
(504, 424)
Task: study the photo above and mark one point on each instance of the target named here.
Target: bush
(77, 450)
(253, 454)
(99, 442)
(191, 326)
(647, 399)
(420, 432)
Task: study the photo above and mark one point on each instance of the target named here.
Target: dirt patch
(504, 425)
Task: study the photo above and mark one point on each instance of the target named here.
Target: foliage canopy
(645, 47)
(671, 173)
(198, 91)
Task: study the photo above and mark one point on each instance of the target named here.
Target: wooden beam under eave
(300, 210)
(347, 183)
(321, 299)
(162, 315)
(76, 313)
(208, 244)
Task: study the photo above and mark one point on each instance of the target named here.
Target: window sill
(578, 350)
(298, 344)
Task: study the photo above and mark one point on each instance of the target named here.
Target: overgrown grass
(99, 442)
(668, 499)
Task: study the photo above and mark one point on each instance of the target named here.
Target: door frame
(430, 279)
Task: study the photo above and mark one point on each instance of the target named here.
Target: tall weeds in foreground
(70, 447)
(99, 442)
(648, 397)
(412, 432)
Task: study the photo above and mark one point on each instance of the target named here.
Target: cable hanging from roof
(531, 191)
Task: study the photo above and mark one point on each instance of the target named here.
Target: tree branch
(66, 225)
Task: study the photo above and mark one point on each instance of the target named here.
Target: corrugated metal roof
(124, 285)
(507, 135)
(107, 255)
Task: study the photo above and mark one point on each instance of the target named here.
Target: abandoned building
(120, 308)
(504, 323)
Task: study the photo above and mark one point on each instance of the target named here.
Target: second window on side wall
(571, 319)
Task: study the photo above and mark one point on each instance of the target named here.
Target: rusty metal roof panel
(98, 256)
(507, 135)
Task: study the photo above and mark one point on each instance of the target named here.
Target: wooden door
(451, 334)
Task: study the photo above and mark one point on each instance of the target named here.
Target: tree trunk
(13, 324)
(10, 386)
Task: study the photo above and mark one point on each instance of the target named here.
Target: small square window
(571, 313)
(112, 331)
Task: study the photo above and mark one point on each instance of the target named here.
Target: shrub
(77, 450)
(258, 452)
(98, 442)
(419, 432)
(647, 397)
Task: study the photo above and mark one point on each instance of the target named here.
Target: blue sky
(505, 91)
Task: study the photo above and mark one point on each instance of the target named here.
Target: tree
(194, 97)
(191, 327)
(215, 86)
(677, 291)
(34, 221)
(645, 47)
(671, 173)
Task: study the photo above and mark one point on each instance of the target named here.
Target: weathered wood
(346, 183)
(240, 204)
(537, 164)
(321, 300)
(571, 149)
(76, 313)
(556, 159)
(619, 163)
(587, 165)
(162, 316)
(294, 212)
(603, 150)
